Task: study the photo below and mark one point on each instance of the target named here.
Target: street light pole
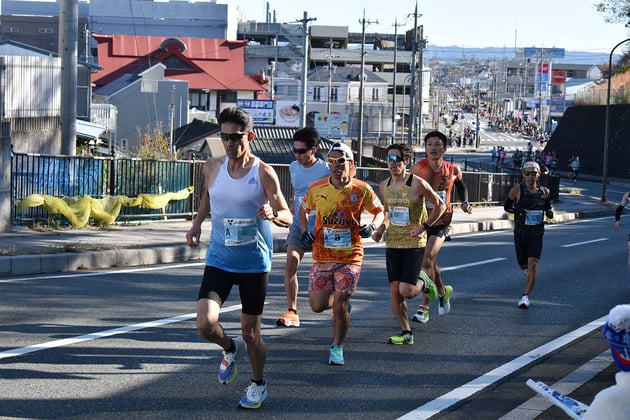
(606, 123)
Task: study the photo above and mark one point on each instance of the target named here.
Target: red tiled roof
(215, 64)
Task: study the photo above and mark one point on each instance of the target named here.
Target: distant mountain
(456, 53)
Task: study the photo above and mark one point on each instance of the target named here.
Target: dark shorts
(439, 231)
(527, 248)
(295, 237)
(403, 264)
(252, 287)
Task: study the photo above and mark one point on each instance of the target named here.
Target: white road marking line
(536, 405)
(476, 385)
(102, 334)
(583, 243)
(473, 264)
(102, 273)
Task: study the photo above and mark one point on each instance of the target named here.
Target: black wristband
(426, 226)
(275, 214)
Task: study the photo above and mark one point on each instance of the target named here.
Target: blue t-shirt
(301, 178)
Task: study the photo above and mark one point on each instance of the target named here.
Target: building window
(124, 144)
(374, 94)
(11, 29)
(317, 94)
(292, 91)
(46, 31)
(175, 63)
(199, 100)
(334, 95)
(228, 96)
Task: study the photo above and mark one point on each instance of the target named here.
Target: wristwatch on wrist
(426, 226)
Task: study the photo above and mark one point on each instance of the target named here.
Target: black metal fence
(67, 176)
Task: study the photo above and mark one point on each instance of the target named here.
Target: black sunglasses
(394, 158)
(235, 137)
(300, 151)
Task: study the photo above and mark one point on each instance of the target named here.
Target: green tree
(615, 11)
(155, 145)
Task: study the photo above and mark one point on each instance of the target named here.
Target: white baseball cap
(343, 148)
(531, 165)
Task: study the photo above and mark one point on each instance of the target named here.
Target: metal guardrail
(62, 176)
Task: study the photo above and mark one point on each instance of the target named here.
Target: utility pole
(330, 44)
(396, 25)
(363, 22)
(542, 120)
(412, 93)
(68, 46)
(305, 20)
(421, 45)
(171, 114)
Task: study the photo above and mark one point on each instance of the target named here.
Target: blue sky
(570, 24)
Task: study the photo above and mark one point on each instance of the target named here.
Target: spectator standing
(612, 403)
(502, 154)
(618, 224)
(575, 167)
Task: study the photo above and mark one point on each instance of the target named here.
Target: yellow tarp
(79, 210)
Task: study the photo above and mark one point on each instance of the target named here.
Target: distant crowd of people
(547, 161)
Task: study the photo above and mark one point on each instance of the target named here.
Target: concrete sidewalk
(29, 251)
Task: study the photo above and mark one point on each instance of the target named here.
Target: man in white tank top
(243, 196)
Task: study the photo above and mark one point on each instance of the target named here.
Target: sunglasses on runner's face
(339, 161)
(235, 137)
(394, 158)
(528, 173)
(300, 151)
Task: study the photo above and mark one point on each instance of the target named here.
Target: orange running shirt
(338, 219)
(442, 183)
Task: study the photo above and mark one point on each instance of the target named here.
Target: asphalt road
(122, 343)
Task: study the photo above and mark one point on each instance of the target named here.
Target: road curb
(132, 257)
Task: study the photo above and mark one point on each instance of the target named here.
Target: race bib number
(399, 216)
(337, 238)
(533, 217)
(239, 232)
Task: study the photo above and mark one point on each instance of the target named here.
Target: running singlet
(338, 219)
(442, 182)
(301, 178)
(239, 240)
(404, 215)
(529, 213)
